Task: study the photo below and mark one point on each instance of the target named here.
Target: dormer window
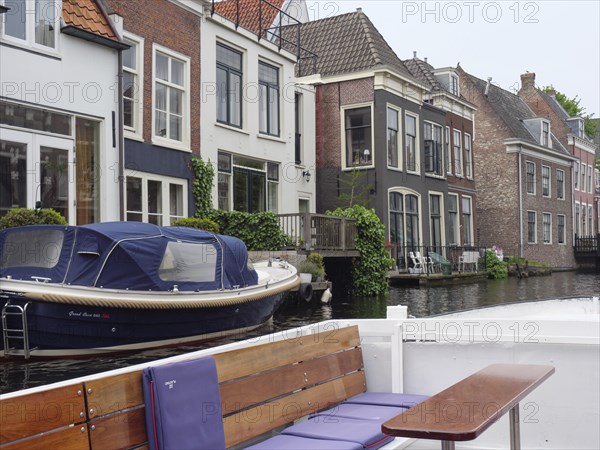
(545, 134)
(581, 129)
(454, 84)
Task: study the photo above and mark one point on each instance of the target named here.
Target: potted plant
(309, 271)
(317, 258)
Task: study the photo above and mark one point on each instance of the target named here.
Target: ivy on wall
(202, 184)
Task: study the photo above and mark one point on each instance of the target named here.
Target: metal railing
(319, 232)
(430, 259)
(587, 244)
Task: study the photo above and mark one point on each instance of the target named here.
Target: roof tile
(87, 15)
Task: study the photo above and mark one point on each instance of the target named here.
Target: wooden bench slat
(248, 361)
(253, 422)
(43, 411)
(120, 431)
(72, 438)
(265, 386)
(112, 394)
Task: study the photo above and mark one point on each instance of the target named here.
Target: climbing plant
(202, 184)
(369, 271)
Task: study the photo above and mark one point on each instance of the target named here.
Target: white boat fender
(326, 297)
(305, 292)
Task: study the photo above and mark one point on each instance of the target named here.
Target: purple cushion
(358, 411)
(183, 406)
(365, 432)
(288, 442)
(388, 399)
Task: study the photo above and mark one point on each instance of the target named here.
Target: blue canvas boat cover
(126, 255)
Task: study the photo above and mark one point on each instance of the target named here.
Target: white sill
(433, 175)
(133, 136)
(395, 169)
(174, 145)
(268, 137)
(412, 172)
(230, 128)
(49, 52)
(349, 168)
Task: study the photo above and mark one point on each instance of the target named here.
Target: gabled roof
(513, 111)
(423, 72)
(87, 15)
(349, 43)
(553, 103)
(250, 12)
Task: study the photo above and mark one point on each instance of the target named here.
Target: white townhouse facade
(258, 122)
(60, 137)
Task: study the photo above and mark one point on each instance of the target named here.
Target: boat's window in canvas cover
(184, 261)
(34, 248)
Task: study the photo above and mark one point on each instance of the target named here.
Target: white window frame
(564, 234)
(399, 140)
(590, 220)
(457, 236)
(279, 69)
(549, 181)
(583, 176)
(469, 162)
(576, 176)
(137, 131)
(440, 195)
(563, 184)
(184, 144)
(457, 173)
(448, 159)
(405, 192)
(472, 231)
(590, 178)
(577, 219)
(534, 227)
(534, 178)
(454, 83)
(343, 110)
(544, 216)
(165, 201)
(29, 41)
(417, 170)
(545, 139)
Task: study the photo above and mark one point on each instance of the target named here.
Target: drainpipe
(121, 139)
(520, 204)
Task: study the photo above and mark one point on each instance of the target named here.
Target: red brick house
(570, 131)
(523, 176)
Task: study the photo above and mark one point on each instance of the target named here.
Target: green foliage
(19, 217)
(495, 268)
(202, 184)
(317, 259)
(260, 231)
(574, 109)
(371, 268)
(194, 222)
(311, 267)
(355, 190)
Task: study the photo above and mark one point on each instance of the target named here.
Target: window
(155, 199)
(447, 156)
(268, 85)
(133, 78)
(435, 215)
(36, 248)
(561, 229)
(576, 176)
(33, 23)
(590, 179)
(433, 148)
(224, 181)
(546, 181)
(468, 157)
(87, 170)
(187, 262)
(545, 134)
(229, 86)
(590, 224)
(547, 228)
(410, 125)
(467, 217)
(584, 230)
(560, 184)
(583, 166)
(37, 119)
(404, 220)
(577, 223)
(453, 225)
(457, 154)
(454, 84)
(393, 127)
(530, 177)
(272, 186)
(396, 208)
(359, 147)
(597, 179)
(171, 93)
(298, 126)
(13, 176)
(531, 227)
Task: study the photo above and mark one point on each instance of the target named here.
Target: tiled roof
(348, 43)
(553, 103)
(423, 72)
(512, 110)
(87, 15)
(250, 12)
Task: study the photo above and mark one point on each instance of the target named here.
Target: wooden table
(465, 410)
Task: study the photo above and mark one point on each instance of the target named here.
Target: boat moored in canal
(120, 286)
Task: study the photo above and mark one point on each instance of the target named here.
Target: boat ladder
(15, 334)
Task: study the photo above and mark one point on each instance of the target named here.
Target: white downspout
(520, 204)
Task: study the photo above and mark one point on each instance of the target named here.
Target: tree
(355, 188)
(574, 109)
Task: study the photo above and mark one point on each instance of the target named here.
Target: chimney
(528, 81)
(414, 54)
(425, 59)
(359, 10)
(487, 86)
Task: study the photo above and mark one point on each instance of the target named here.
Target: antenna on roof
(487, 86)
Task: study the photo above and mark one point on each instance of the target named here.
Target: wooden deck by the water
(409, 279)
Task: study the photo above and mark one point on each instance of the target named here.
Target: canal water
(421, 302)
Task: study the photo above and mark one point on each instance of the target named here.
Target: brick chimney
(527, 81)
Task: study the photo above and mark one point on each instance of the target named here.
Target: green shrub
(308, 266)
(19, 217)
(495, 268)
(317, 259)
(370, 270)
(193, 222)
(260, 231)
(202, 184)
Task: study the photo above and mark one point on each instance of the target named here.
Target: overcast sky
(559, 40)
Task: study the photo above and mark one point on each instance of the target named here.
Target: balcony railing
(319, 232)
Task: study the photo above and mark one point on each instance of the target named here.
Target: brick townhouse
(523, 176)
(570, 131)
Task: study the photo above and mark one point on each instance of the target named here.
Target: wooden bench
(263, 388)
(473, 405)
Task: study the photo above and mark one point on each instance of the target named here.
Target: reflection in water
(17, 374)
